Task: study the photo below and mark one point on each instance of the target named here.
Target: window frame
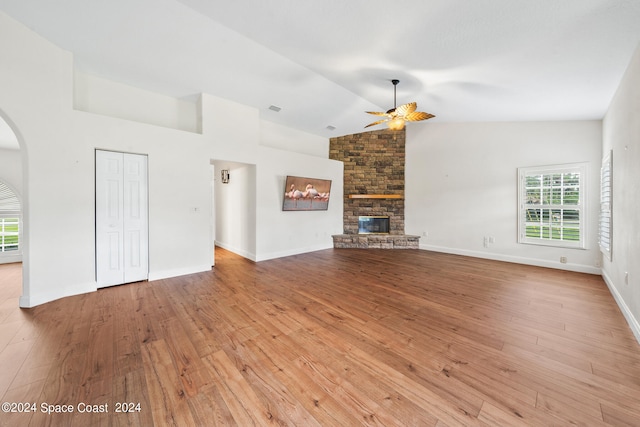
(580, 206)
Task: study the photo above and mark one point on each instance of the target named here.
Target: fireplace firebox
(373, 225)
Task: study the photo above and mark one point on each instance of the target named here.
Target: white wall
(241, 141)
(283, 233)
(621, 133)
(57, 149)
(100, 96)
(283, 138)
(461, 185)
(257, 228)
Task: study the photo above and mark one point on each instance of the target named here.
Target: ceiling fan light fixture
(396, 124)
(398, 116)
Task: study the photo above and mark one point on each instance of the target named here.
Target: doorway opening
(11, 212)
(233, 208)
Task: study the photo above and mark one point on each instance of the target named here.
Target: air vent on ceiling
(331, 127)
(274, 108)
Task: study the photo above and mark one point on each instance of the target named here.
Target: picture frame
(306, 194)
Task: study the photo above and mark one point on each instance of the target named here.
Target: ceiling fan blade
(376, 123)
(376, 113)
(417, 116)
(405, 109)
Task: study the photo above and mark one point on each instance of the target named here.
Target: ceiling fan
(398, 116)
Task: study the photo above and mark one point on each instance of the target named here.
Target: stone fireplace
(373, 187)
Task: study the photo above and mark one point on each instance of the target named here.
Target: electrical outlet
(492, 239)
(425, 234)
(485, 242)
(563, 259)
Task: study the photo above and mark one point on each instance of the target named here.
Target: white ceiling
(325, 62)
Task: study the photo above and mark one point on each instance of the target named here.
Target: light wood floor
(336, 338)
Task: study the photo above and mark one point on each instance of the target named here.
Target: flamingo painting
(314, 197)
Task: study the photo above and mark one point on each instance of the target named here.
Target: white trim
(297, 251)
(634, 324)
(176, 272)
(579, 268)
(28, 301)
(241, 252)
(8, 259)
(274, 255)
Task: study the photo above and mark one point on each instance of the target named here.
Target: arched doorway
(11, 209)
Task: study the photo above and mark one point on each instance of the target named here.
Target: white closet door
(136, 230)
(122, 238)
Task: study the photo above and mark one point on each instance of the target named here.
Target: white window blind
(9, 203)
(606, 218)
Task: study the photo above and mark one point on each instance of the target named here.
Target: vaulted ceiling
(325, 62)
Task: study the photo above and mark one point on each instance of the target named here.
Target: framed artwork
(306, 194)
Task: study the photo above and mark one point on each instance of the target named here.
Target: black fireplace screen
(373, 224)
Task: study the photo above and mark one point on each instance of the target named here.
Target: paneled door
(122, 229)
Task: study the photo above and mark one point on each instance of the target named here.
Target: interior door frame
(126, 271)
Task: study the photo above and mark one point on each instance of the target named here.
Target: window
(551, 200)
(605, 223)
(9, 232)
(9, 221)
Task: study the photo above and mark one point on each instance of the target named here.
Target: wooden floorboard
(338, 337)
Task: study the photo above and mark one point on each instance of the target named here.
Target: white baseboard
(274, 255)
(626, 312)
(241, 252)
(175, 272)
(28, 301)
(8, 259)
(515, 259)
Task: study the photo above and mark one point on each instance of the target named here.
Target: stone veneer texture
(373, 164)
